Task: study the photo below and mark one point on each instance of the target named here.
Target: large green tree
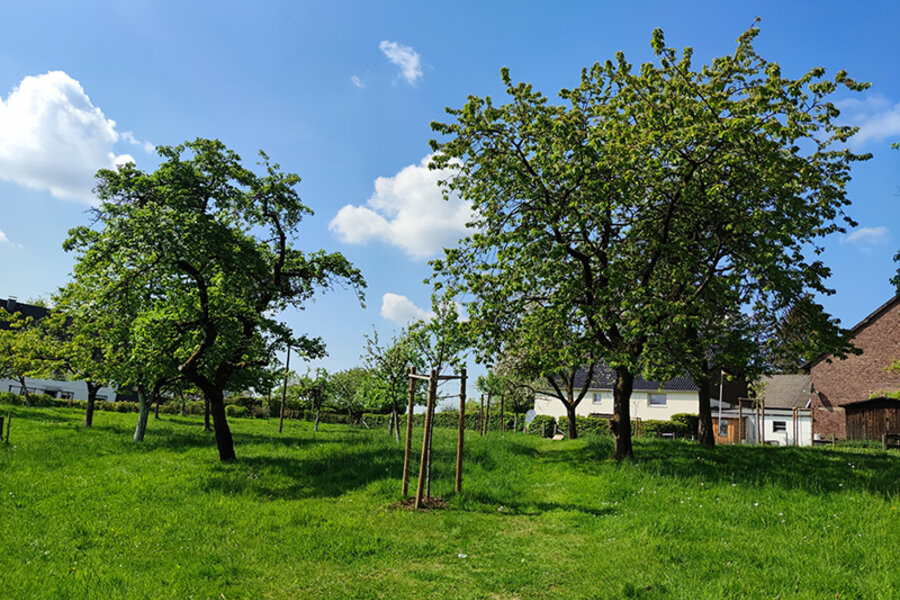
(208, 245)
(644, 190)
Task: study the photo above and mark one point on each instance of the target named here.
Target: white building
(66, 390)
(650, 400)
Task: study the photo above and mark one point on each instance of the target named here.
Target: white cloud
(404, 57)
(406, 210)
(357, 82)
(402, 310)
(867, 236)
(53, 138)
(3, 238)
(876, 116)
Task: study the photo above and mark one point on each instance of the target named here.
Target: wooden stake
(487, 414)
(502, 423)
(462, 429)
(287, 368)
(763, 435)
(740, 421)
(8, 424)
(409, 426)
(420, 486)
(481, 417)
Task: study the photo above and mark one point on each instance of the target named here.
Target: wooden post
(287, 368)
(796, 428)
(8, 424)
(763, 420)
(426, 439)
(502, 406)
(487, 414)
(740, 421)
(1, 425)
(462, 429)
(409, 425)
(481, 417)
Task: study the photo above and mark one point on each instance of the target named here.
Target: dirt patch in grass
(427, 503)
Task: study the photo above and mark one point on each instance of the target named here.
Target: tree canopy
(629, 205)
(202, 251)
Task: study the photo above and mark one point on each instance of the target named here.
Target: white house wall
(601, 401)
(783, 438)
(57, 389)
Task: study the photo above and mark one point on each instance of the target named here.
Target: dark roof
(605, 379)
(26, 310)
(881, 400)
(873, 316)
(786, 391)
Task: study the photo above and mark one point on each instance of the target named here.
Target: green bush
(237, 411)
(542, 424)
(11, 399)
(657, 428)
(585, 426)
(688, 420)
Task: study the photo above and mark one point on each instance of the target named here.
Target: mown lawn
(90, 514)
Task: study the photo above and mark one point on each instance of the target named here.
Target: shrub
(237, 411)
(585, 426)
(657, 428)
(541, 424)
(688, 420)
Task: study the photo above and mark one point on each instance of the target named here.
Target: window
(656, 399)
(779, 425)
(66, 395)
(601, 397)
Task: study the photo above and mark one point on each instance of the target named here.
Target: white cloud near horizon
(866, 236)
(3, 238)
(407, 210)
(402, 310)
(53, 138)
(876, 116)
(357, 82)
(405, 57)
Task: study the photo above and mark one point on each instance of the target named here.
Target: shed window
(599, 397)
(779, 425)
(656, 399)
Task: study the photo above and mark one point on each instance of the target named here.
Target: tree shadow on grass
(814, 470)
(306, 475)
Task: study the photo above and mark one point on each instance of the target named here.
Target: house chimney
(11, 304)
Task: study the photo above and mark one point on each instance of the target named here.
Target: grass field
(90, 514)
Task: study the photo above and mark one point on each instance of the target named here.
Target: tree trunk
(25, 391)
(156, 409)
(181, 395)
(224, 442)
(502, 415)
(91, 399)
(205, 413)
(705, 432)
(395, 419)
(571, 424)
(316, 422)
(515, 422)
(143, 414)
(621, 421)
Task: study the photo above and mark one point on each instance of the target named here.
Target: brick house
(858, 377)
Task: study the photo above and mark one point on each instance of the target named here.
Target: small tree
(389, 365)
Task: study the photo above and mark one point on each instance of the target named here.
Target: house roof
(873, 316)
(605, 378)
(787, 391)
(12, 305)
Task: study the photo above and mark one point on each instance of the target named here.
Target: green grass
(90, 514)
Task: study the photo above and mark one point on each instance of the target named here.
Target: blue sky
(343, 93)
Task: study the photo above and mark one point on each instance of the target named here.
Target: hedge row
(681, 425)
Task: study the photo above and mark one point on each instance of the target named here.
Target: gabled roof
(787, 391)
(874, 316)
(13, 306)
(605, 379)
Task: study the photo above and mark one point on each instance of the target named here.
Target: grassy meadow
(87, 513)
